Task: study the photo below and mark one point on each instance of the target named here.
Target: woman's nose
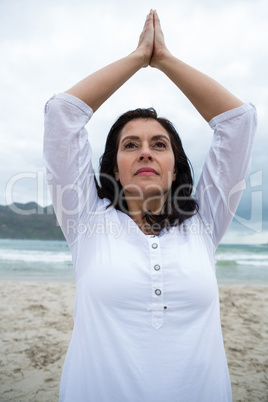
(145, 154)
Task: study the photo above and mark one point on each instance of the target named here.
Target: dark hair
(179, 205)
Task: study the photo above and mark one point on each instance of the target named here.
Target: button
(157, 267)
(158, 292)
(154, 245)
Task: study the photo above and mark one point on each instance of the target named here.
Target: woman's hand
(146, 41)
(160, 51)
(99, 86)
(207, 95)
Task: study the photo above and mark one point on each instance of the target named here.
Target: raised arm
(99, 86)
(208, 96)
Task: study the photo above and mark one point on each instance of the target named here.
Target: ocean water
(44, 260)
(242, 264)
(35, 260)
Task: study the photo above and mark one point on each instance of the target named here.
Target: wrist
(163, 59)
(139, 58)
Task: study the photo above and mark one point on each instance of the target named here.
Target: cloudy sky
(46, 46)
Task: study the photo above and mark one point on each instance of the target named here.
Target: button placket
(157, 305)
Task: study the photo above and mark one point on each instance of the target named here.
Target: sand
(36, 325)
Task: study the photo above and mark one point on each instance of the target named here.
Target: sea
(50, 261)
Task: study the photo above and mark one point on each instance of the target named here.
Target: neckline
(138, 230)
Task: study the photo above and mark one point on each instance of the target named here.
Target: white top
(146, 316)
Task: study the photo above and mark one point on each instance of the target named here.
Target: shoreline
(36, 327)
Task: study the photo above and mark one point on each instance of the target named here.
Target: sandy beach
(36, 326)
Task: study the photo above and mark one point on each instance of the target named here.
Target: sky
(47, 46)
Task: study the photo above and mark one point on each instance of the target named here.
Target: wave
(226, 263)
(34, 256)
(242, 255)
(247, 262)
(249, 256)
(252, 262)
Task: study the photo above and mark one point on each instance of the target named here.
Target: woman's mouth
(146, 171)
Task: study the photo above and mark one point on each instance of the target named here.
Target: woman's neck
(138, 210)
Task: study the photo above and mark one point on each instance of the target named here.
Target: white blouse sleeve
(226, 168)
(67, 157)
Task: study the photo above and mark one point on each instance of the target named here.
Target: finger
(148, 25)
(147, 29)
(156, 20)
(149, 18)
(159, 36)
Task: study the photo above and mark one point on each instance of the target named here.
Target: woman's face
(145, 159)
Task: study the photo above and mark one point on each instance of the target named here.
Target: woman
(146, 316)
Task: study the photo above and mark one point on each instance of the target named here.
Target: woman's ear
(174, 175)
(116, 173)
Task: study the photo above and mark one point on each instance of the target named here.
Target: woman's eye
(130, 145)
(160, 144)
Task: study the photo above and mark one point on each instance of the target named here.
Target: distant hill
(29, 221)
